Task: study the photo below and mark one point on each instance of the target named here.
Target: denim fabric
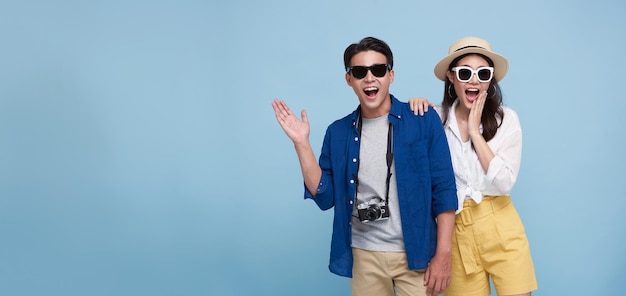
(426, 185)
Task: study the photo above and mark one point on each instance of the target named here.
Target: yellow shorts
(490, 241)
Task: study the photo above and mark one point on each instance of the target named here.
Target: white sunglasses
(465, 73)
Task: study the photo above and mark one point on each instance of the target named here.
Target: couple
(421, 208)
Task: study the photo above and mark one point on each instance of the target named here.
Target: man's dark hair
(367, 43)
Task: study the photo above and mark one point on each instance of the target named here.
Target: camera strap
(389, 158)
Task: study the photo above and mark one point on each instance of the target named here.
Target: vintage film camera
(374, 210)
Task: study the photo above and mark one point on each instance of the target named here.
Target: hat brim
(500, 63)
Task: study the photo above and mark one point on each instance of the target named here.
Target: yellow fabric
(490, 241)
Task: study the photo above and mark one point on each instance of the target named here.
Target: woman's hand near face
(476, 112)
(485, 155)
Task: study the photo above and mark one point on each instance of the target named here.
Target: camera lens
(373, 213)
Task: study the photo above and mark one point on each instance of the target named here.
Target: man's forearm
(445, 227)
(311, 171)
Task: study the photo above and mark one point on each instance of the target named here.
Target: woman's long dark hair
(493, 105)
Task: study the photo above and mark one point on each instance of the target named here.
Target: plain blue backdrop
(139, 154)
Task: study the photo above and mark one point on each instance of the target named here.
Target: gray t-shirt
(381, 235)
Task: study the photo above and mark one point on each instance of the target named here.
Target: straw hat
(472, 45)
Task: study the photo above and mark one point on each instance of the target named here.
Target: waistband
(473, 211)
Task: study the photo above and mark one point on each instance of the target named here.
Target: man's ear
(348, 79)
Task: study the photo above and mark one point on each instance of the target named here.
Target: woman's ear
(450, 76)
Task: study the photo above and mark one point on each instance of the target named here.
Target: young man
(389, 177)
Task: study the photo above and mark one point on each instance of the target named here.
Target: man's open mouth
(371, 91)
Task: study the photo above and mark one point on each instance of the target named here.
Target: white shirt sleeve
(507, 147)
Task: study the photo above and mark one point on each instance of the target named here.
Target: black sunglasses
(378, 70)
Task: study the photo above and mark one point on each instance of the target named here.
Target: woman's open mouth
(471, 94)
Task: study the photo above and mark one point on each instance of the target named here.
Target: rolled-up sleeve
(442, 173)
(324, 192)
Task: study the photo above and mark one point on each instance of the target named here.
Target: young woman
(485, 140)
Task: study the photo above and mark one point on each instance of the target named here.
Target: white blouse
(471, 181)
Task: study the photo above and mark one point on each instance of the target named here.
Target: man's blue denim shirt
(424, 175)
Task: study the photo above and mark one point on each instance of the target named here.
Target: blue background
(139, 154)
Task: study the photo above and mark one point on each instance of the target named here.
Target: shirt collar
(394, 112)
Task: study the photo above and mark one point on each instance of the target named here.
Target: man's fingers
(429, 282)
(438, 288)
(305, 118)
(430, 290)
(287, 109)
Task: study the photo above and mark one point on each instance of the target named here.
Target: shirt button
(351, 202)
(354, 160)
(351, 181)
(356, 139)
